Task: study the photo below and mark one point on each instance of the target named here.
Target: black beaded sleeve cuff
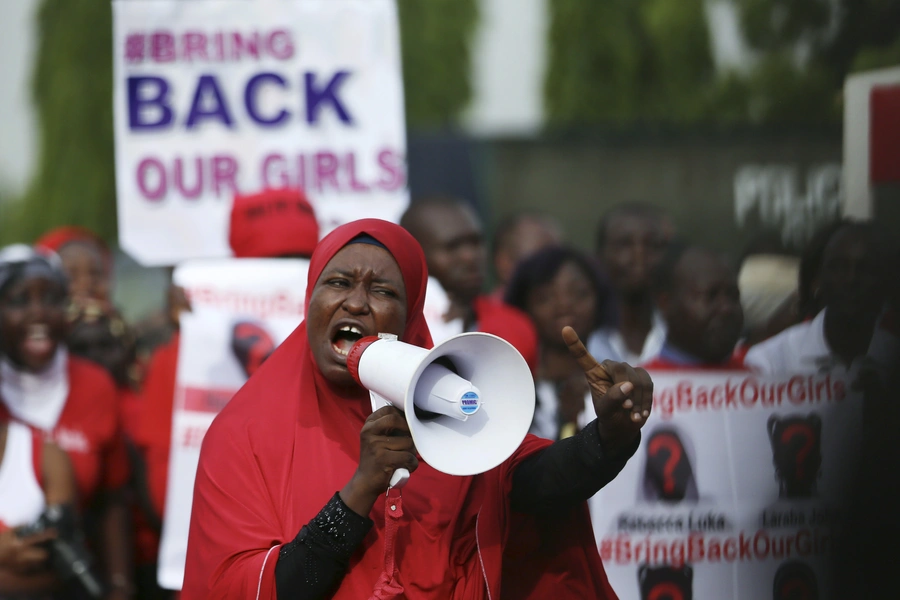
(312, 565)
(336, 529)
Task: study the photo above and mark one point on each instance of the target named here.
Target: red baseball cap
(273, 223)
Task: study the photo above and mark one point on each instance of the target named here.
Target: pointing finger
(577, 349)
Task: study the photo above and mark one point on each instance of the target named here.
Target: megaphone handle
(399, 478)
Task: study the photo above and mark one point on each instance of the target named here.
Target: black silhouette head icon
(797, 453)
(666, 582)
(795, 580)
(251, 345)
(668, 475)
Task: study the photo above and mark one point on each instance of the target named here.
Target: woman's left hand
(622, 395)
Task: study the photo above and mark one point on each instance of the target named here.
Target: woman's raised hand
(622, 394)
(385, 445)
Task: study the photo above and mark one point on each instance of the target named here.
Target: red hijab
(289, 440)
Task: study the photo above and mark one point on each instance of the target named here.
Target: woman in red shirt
(73, 401)
(97, 331)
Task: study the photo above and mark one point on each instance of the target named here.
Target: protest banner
(241, 310)
(736, 491)
(218, 97)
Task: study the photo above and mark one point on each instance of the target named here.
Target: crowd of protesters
(86, 398)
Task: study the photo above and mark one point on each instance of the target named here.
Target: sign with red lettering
(736, 490)
(218, 97)
(241, 310)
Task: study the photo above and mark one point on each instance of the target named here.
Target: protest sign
(736, 490)
(241, 310)
(218, 97)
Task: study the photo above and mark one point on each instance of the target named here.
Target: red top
(509, 323)
(153, 436)
(89, 430)
(288, 440)
(131, 405)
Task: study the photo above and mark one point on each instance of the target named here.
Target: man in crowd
(451, 236)
(698, 296)
(517, 237)
(631, 239)
(852, 284)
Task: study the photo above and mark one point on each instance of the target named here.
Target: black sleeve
(566, 473)
(312, 565)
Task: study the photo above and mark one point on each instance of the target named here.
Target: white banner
(217, 97)
(858, 128)
(736, 490)
(241, 310)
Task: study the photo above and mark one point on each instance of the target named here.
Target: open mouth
(344, 338)
(37, 339)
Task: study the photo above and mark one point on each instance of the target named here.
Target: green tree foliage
(72, 92)
(807, 49)
(626, 61)
(74, 181)
(776, 91)
(435, 36)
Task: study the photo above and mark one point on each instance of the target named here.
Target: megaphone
(469, 401)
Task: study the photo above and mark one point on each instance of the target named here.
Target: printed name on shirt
(796, 517)
(71, 440)
(673, 523)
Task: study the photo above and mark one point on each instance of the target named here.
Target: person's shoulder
(88, 376)
(772, 353)
(166, 353)
(262, 404)
(249, 423)
(492, 309)
(791, 335)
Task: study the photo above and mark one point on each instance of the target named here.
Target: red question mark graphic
(661, 591)
(667, 441)
(799, 430)
(797, 585)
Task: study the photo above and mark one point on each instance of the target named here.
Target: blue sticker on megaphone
(469, 403)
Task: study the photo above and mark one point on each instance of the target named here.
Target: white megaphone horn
(468, 401)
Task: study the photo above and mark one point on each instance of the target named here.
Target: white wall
(508, 59)
(729, 49)
(18, 127)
